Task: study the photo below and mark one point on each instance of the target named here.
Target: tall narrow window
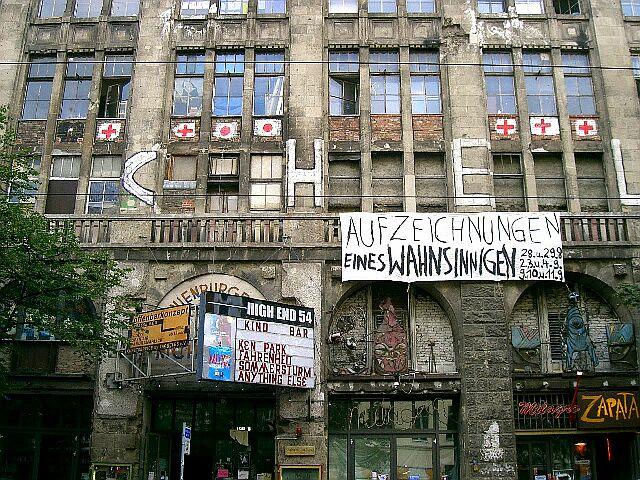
(578, 84)
(52, 8)
(498, 75)
(233, 7)
(39, 82)
(268, 91)
(387, 182)
(567, 7)
(116, 86)
(125, 8)
(87, 8)
(344, 183)
(529, 7)
(385, 82)
(550, 186)
(382, 6)
(187, 90)
(541, 97)
(425, 82)
(630, 8)
(266, 182)
(194, 8)
(491, 6)
(104, 184)
(63, 184)
(635, 61)
(343, 6)
(592, 185)
(223, 183)
(508, 182)
(431, 182)
(421, 6)
(344, 83)
(227, 87)
(271, 6)
(77, 86)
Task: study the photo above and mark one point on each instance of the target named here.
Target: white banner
(415, 247)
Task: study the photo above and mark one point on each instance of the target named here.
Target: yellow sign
(299, 450)
(160, 329)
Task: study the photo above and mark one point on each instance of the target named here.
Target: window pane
(118, 65)
(491, 6)
(421, 6)
(529, 7)
(37, 99)
(232, 62)
(187, 96)
(497, 62)
(372, 457)
(194, 7)
(269, 63)
(343, 62)
(75, 101)
(271, 6)
(190, 64)
(87, 8)
(427, 62)
(42, 67)
(384, 62)
(52, 8)
(382, 6)
(268, 96)
(233, 7)
(125, 8)
(343, 6)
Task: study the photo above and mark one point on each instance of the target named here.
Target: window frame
(344, 68)
(343, 6)
(126, 4)
(71, 79)
(559, 5)
(506, 175)
(499, 72)
(344, 203)
(490, 4)
(54, 11)
(270, 11)
(230, 76)
(526, 7)
(383, 72)
(120, 79)
(227, 10)
(420, 71)
(91, 5)
(196, 7)
(37, 76)
(581, 76)
(383, 6)
(630, 8)
(540, 70)
(269, 71)
(421, 4)
(104, 180)
(190, 67)
(275, 178)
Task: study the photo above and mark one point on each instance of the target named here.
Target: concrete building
(209, 146)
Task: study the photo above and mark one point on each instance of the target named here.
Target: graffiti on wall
(390, 344)
(577, 335)
(131, 166)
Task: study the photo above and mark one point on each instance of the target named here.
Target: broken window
(343, 6)
(63, 184)
(425, 82)
(498, 75)
(271, 6)
(541, 97)
(592, 185)
(223, 183)
(578, 83)
(191, 8)
(630, 8)
(508, 182)
(39, 83)
(87, 8)
(382, 6)
(188, 85)
(77, 86)
(266, 182)
(116, 86)
(387, 182)
(268, 95)
(181, 168)
(125, 8)
(233, 7)
(385, 82)
(344, 183)
(491, 6)
(431, 182)
(421, 6)
(344, 83)
(550, 186)
(567, 7)
(529, 7)
(104, 184)
(52, 8)
(228, 83)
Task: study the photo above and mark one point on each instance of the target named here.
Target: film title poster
(254, 341)
(412, 247)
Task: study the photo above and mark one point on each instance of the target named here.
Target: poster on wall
(248, 340)
(413, 247)
(160, 329)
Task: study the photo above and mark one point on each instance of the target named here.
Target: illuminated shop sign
(608, 410)
(248, 340)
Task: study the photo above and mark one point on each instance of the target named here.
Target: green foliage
(629, 294)
(47, 281)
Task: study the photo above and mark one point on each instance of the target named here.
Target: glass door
(414, 458)
(372, 458)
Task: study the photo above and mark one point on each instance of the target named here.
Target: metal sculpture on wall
(622, 345)
(348, 337)
(577, 337)
(526, 343)
(390, 344)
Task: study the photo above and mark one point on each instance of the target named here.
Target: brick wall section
(69, 131)
(31, 133)
(386, 127)
(574, 135)
(428, 127)
(177, 121)
(70, 361)
(493, 119)
(432, 324)
(344, 129)
(179, 201)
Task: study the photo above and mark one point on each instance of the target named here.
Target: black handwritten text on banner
(412, 247)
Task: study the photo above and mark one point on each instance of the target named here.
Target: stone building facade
(210, 145)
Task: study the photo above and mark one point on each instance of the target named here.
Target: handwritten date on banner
(411, 247)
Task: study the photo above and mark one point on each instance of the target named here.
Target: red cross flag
(506, 126)
(225, 130)
(267, 127)
(108, 131)
(185, 130)
(544, 126)
(586, 127)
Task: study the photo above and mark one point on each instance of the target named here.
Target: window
(103, 184)
(228, 83)
(508, 182)
(77, 85)
(498, 75)
(268, 91)
(192, 8)
(541, 98)
(25, 192)
(271, 6)
(529, 7)
(187, 90)
(567, 7)
(222, 188)
(344, 183)
(343, 6)
(549, 173)
(63, 184)
(344, 83)
(266, 182)
(181, 168)
(116, 86)
(385, 82)
(387, 182)
(382, 6)
(630, 8)
(577, 79)
(425, 82)
(431, 182)
(421, 6)
(125, 8)
(592, 186)
(233, 7)
(52, 8)
(39, 82)
(491, 6)
(635, 61)
(87, 8)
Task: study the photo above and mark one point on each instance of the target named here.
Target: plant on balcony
(51, 288)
